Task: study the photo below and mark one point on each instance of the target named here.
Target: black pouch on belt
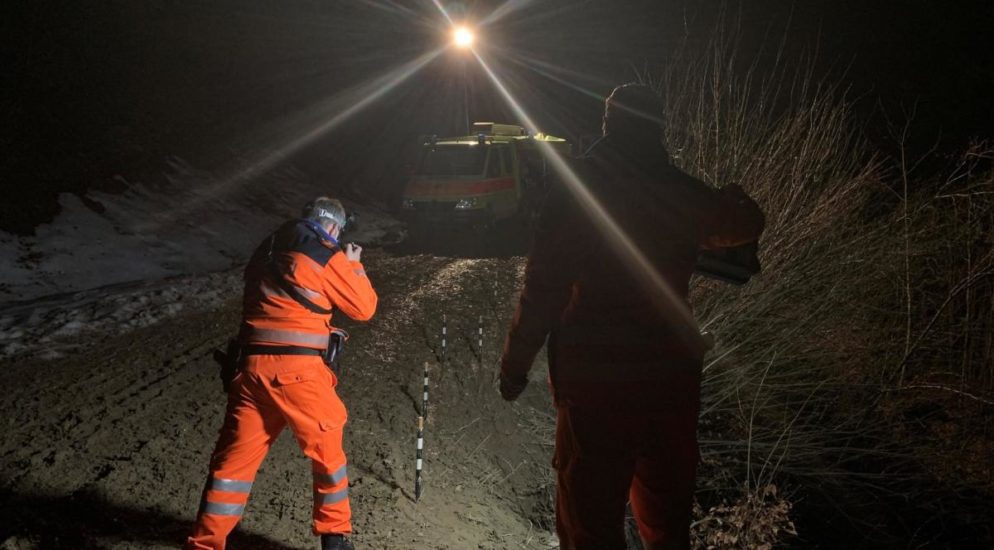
(333, 354)
(230, 362)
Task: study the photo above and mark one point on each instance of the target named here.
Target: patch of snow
(121, 261)
(53, 326)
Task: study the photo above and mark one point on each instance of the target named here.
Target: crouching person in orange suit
(608, 293)
(294, 280)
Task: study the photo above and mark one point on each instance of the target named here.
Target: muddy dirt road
(108, 446)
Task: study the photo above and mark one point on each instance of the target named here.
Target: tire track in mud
(108, 448)
(96, 436)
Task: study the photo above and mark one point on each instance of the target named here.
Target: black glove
(230, 363)
(333, 353)
(512, 386)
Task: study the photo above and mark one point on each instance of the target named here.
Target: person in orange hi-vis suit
(293, 281)
(625, 354)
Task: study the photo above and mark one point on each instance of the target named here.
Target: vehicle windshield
(453, 160)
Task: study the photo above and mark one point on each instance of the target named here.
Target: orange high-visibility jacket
(316, 269)
(609, 342)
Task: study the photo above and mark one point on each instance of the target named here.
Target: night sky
(94, 90)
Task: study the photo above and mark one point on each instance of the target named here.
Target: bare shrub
(758, 520)
(868, 287)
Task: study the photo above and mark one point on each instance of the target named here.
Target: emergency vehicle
(478, 180)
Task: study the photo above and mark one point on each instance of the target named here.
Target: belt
(258, 349)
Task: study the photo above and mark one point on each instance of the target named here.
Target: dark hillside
(95, 90)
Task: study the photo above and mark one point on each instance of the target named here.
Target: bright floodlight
(462, 37)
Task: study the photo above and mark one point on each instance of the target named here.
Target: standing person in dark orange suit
(296, 277)
(625, 355)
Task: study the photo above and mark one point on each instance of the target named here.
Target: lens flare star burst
(663, 295)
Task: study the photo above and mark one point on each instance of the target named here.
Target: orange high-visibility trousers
(606, 458)
(272, 392)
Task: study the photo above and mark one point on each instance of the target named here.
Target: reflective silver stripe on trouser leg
(331, 498)
(223, 508)
(229, 485)
(224, 485)
(333, 478)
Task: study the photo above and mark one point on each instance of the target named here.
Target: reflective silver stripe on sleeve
(331, 498)
(334, 478)
(288, 337)
(230, 485)
(223, 509)
(291, 280)
(308, 293)
(270, 292)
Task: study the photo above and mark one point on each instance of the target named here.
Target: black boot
(335, 542)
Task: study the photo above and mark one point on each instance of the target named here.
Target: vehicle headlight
(468, 204)
(407, 204)
(462, 37)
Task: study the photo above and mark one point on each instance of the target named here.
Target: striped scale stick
(421, 441)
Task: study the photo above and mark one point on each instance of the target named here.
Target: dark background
(94, 90)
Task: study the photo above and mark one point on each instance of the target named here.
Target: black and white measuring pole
(445, 325)
(479, 342)
(421, 440)
(417, 470)
(424, 395)
(424, 416)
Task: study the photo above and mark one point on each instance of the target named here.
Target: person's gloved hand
(353, 252)
(512, 386)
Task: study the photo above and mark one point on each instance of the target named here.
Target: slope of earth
(107, 447)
